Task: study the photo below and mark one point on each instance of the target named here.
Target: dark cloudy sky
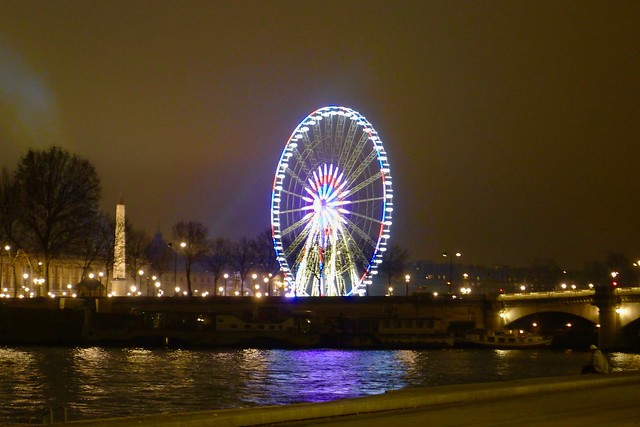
(512, 127)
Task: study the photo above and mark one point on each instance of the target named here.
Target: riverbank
(388, 404)
(218, 322)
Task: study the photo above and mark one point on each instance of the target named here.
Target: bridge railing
(548, 294)
(629, 290)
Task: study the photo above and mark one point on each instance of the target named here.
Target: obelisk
(119, 282)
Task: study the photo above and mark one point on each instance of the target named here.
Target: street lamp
(154, 279)
(7, 248)
(175, 261)
(226, 277)
(406, 281)
(267, 291)
(254, 276)
(450, 281)
(140, 273)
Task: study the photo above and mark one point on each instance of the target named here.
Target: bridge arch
(615, 311)
(511, 314)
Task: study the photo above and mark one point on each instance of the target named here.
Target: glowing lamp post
(140, 273)
(450, 281)
(25, 276)
(175, 261)
(226, 277)
(6, 248)
(254, 276)
(407, 278)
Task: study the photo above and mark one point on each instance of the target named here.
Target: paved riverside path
(608, 400)
(597, 406)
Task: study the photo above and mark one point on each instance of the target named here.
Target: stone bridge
(610, 309)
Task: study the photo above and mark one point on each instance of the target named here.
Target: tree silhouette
(195, 235)
(58, 195)
(218, 258)
(393, 263)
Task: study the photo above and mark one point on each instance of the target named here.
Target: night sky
(512, 127)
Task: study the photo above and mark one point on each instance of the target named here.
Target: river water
(100, 382)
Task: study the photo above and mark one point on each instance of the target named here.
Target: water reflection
(106, 382)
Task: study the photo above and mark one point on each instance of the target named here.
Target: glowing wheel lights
(331, 204)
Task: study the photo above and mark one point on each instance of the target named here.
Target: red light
(615, 283)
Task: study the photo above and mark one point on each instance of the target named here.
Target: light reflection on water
(106, 382)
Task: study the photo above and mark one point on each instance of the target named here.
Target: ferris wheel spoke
(295, 244)
(301, 162)
(296, 225)
(355, 154)
(373, 178)
(355, 228)
(366, 218)
(319, 140)
(299, 196)
(362, 166)
(292, 174)
(336, 136)
(297, 210)
(310, 151)
(348, 142)
(354, 250)
(368, 200)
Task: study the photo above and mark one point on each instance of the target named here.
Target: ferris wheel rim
(379, 240)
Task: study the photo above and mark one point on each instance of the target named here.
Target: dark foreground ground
(610, 400)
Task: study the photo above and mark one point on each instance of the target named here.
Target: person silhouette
(598, 363)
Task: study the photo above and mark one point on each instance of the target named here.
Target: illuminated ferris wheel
(331, 204)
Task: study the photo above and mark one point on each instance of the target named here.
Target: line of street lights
(450, 278)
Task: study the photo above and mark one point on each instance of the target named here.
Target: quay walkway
(575, 400)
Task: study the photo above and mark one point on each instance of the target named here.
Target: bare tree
(138, 243)
(265, 255)
(58, 198)
(160, 255)
(8, 207)
(218, 258)
(393, 263)
(243, 259)
(195, 235)
(95, 245)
